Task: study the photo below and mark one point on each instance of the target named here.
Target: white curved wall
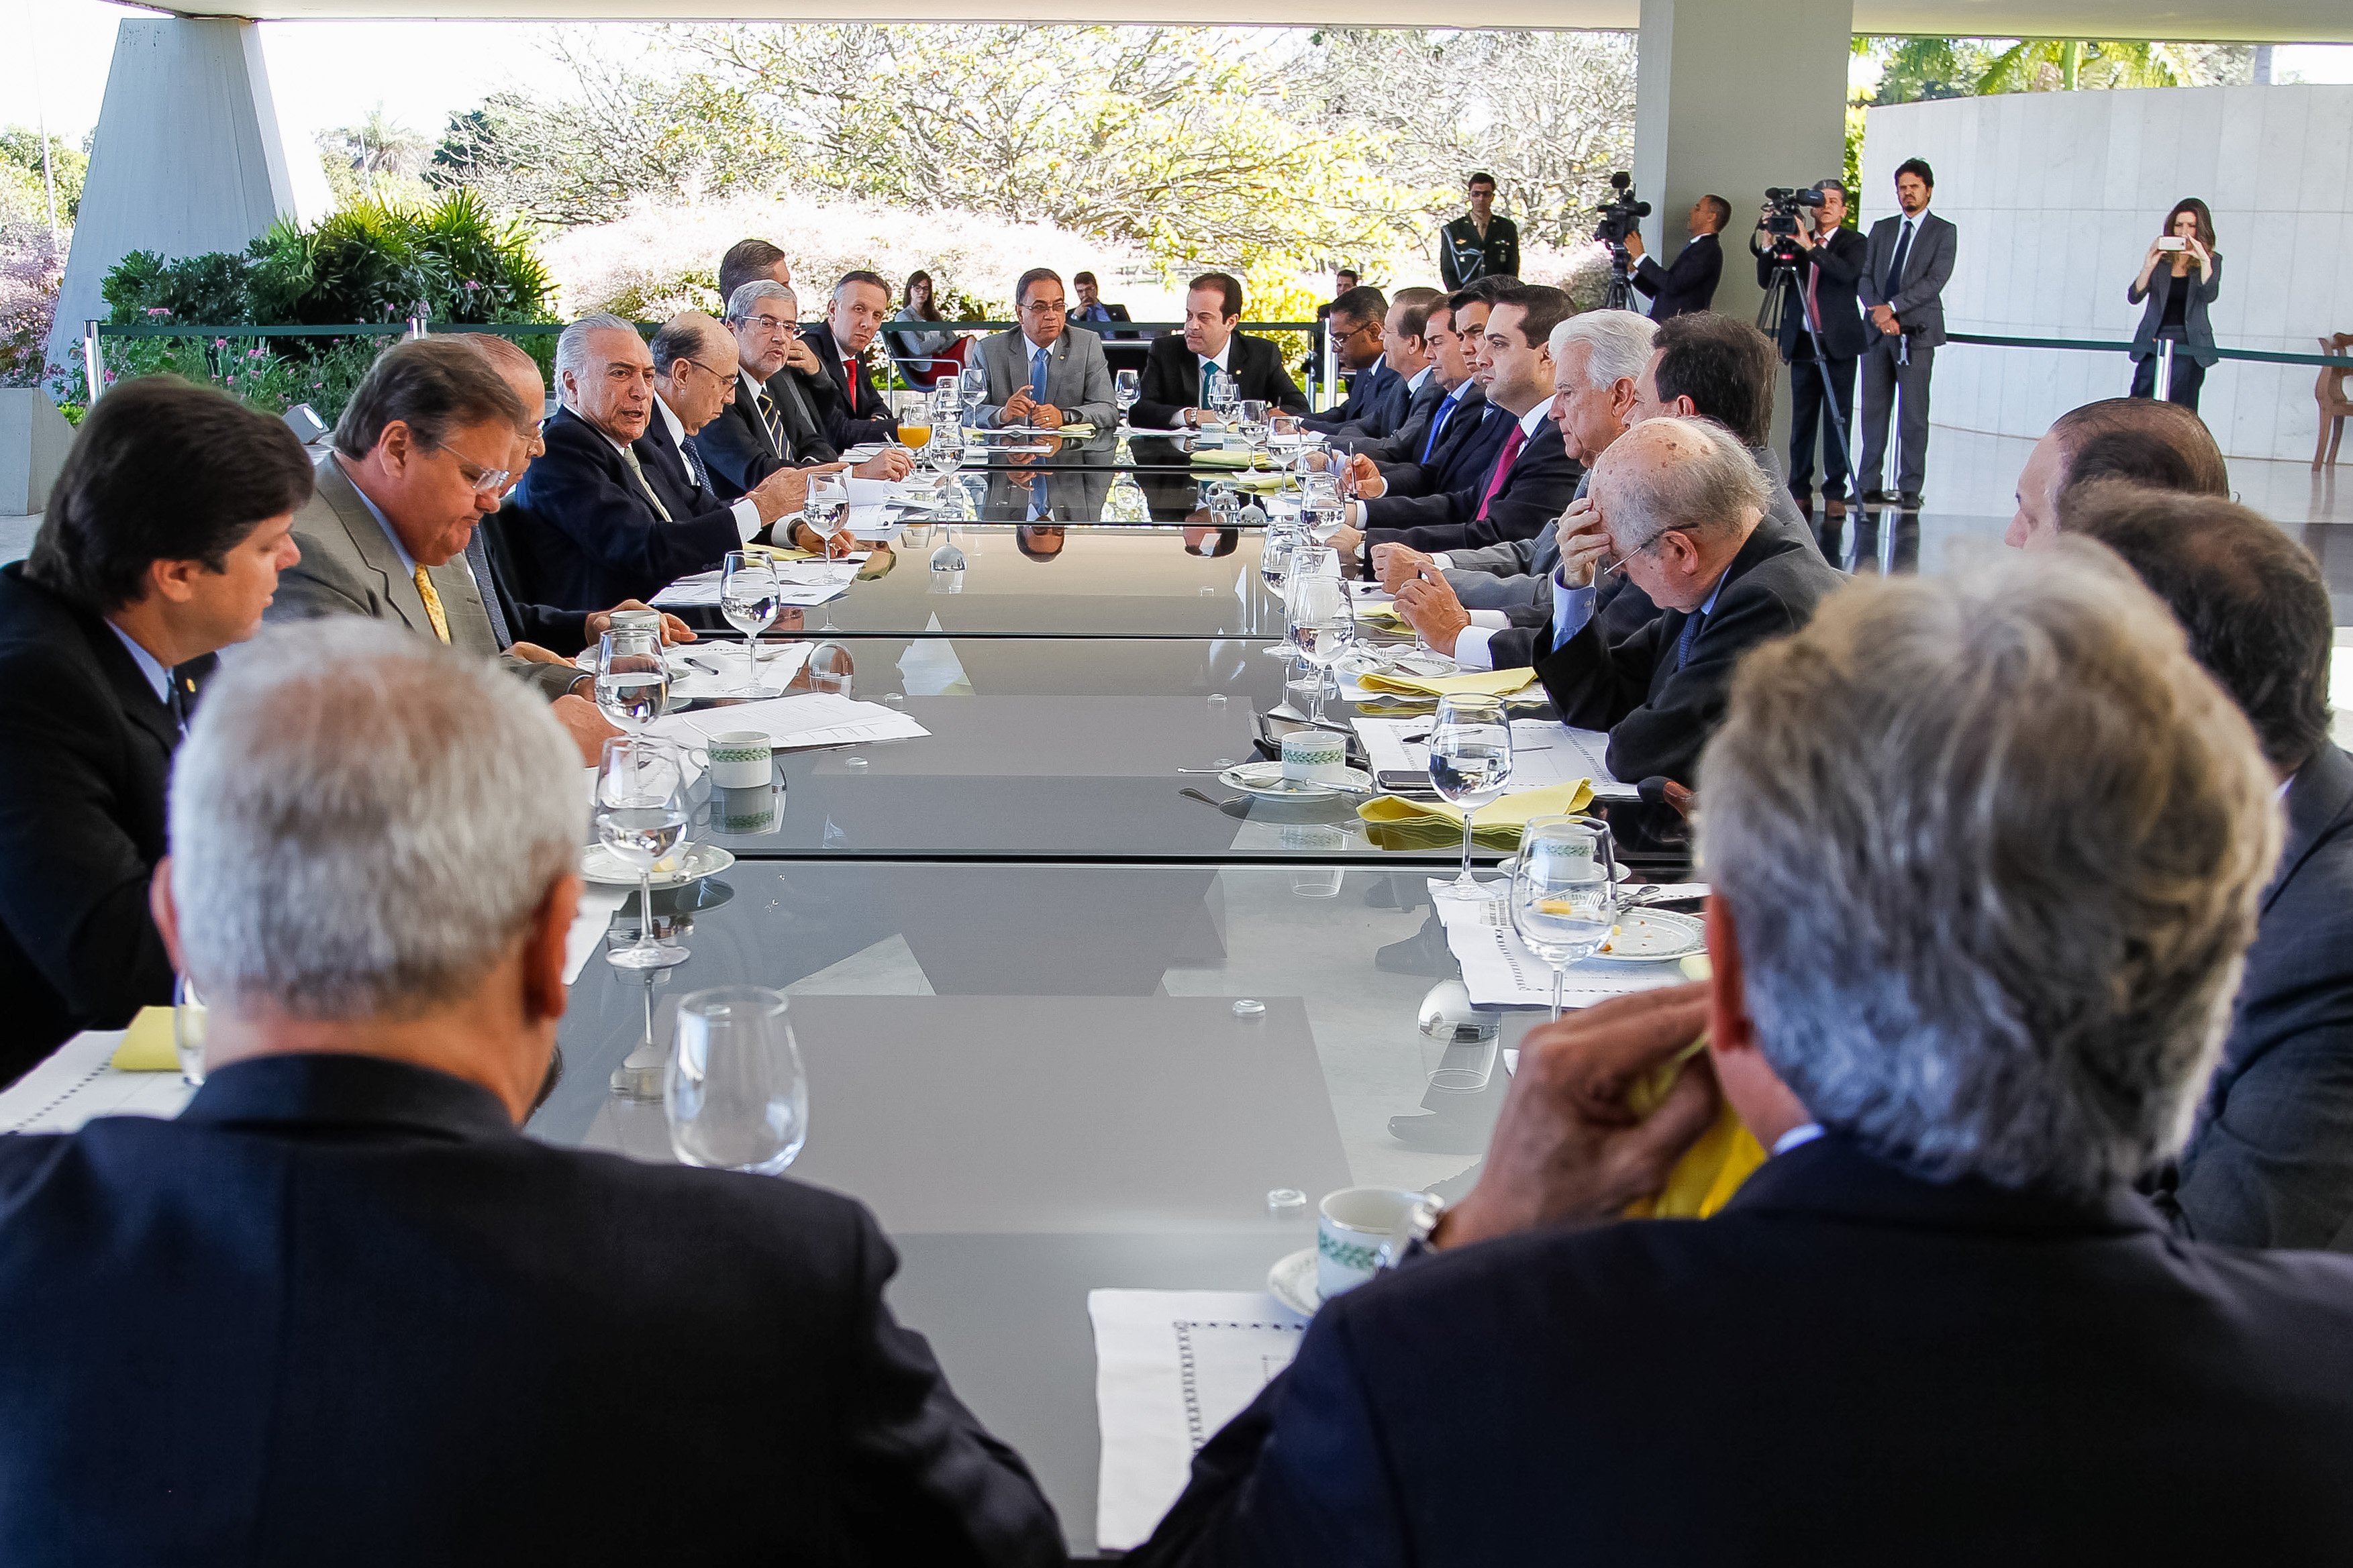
(2058, 195)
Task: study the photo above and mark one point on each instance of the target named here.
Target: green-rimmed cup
(741, 759)
(1351, 1227)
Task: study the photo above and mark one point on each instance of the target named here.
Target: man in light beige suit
(420, 454)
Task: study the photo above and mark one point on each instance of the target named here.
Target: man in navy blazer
(855, 412)
(1938, 1326)
(1172, 387)
(1450, 336)
(1355, 320)
(1688, 284)
(2271, 1161)
(401, 1331)
(620, 522)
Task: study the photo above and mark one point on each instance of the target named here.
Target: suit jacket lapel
(2319, 800)
(369, 543)
(138, 699)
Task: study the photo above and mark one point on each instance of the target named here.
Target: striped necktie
(638, 468)
(768, 420)
(432, 605)
(701, 475)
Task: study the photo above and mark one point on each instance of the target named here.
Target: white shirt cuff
(747, 519)
(1470, 651)
(1493, 620)
(1444, 561)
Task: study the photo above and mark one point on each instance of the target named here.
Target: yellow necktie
(432, 606)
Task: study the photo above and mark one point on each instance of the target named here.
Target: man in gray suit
(1040, 373)
(1902, 294)
(420, 454)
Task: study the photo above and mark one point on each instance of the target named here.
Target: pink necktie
(1511, 445)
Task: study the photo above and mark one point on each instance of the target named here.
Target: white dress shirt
(747, 515)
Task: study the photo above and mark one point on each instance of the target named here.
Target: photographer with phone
(1828, 261)
(2177, 303)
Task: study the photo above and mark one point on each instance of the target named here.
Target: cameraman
(1828, 261)
(1688, 284)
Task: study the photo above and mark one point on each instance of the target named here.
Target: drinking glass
(735, 1095)
(1252, 413)
(641, 817)
(632, 678)
(947, 401)
(826, 510)
(976, 385)
(1564, 892)
(1321, 506)
(1221, 392)
(188, 1018)
(1470, 762)
(1127, 386)
(913, 412)
(1323, 626)
(749, 597)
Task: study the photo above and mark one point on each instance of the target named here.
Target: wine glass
(976, 385)
(735, 1096)
(1321, 506)
(641, 817)
(826, 510)
(913, 412)
(632, 678)
(750, 598)
(1323, 626)
(1564, 891)
(947, 401)
(1127, 386)
(188, 1018)
(1470, 762)
(1251, 414)
(1222, 392)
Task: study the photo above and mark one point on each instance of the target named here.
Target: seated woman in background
(2179, 278)
(164, 535)
(923, 356)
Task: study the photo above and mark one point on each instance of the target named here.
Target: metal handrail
(2264, 356)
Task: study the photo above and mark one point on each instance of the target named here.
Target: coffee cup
(1315, 756)
(741, 759)
(1352, 1226)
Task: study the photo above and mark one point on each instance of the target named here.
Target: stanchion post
(417, 326)
(1331, 377)
(93, 362)
(2164, 369)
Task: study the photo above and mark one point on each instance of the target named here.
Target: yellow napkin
(1711, 1170)
(1261, 484)
(779, 551)
(1223, 459)
(1075, 432)
(1393, 822)
(148, 1044)
(1488, 682)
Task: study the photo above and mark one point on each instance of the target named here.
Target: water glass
(1470, 764)
(735, 1095)
(641, 817)
(1323, 626)
(632, 678)
(976, 385)
(750, 599)
(1564, 896)
(188, 1018)
(1222, 391)
(826, 510)
(1127, 386)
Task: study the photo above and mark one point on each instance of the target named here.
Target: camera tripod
(1620, 296)
(1779, 291)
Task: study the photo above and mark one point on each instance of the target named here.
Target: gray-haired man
(401, 1331)
(1969, 970)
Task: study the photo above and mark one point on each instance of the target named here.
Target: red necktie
(1511, 445)
(850, 379)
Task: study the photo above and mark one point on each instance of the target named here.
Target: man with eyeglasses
(1356, 342)
(1041, 373)
(768, 424)
(422, 451)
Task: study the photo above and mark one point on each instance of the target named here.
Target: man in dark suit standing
(1688, 284)
(2271, 1161)
(163, 537)
(1937, 1325)
(403, 1332)
(855, 413)
(1175, 385)
(611, 533)
(1479, 244)
(1677, 503)
(1904, 269)
(1828, 264)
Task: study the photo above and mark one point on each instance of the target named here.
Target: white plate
(1265, 781)
(1291, 1281)
(600, 865)
(1653, 936)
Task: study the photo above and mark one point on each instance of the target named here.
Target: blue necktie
(1690, 636)
(1895, 263)
(1437, 427)
(1037, 376)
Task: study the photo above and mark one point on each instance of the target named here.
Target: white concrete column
(1732, 96)
(186, 158)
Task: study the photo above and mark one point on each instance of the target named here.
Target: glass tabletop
(1038, 1079)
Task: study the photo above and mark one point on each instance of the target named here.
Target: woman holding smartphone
(2179, 278)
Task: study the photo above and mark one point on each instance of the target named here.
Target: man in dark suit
(614, 530)
(1357, 323)
(767, 425)
(1688, 284)
(1677, 504)
(2271, 1161)
(1395, 428)
(402, 1332)
(1174, 389)
(1450, 334)
(1531, 478)
(1904, 269)
(1830, 259)
(1480, 244)
(163, 537)
(855, 413)
(1092, 310)
(2162, 446)
(1936, 1326)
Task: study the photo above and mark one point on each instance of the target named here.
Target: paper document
(715, 669)
(702, 591)
(797, 722)
(1172, 1367)
(1543, 752)
(874, 523)
(79, 1081)
(1500, 972)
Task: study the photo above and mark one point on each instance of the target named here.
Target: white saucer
(1291, 1281)
(600, 865)
(1265, 781)
(1653, 936)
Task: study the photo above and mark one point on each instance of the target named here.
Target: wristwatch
(1411, 1237)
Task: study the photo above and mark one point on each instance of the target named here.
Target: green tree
(25, 195)
(2040, 64)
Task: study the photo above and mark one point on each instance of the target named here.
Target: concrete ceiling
(2242, 21)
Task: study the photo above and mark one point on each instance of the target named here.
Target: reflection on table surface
(1036, 1076)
